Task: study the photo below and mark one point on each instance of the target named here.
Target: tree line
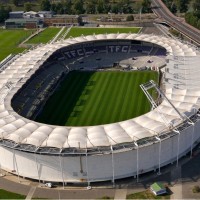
(191, 8)
(193, 17)
(80, 7)
(93, 6)
(4, 12)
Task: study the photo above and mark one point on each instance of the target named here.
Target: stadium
(69, 154)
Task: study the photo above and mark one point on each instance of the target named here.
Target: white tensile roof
(24, 131)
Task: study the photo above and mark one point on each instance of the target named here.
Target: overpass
(160, 9)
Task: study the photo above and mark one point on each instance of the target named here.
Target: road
(165, 15)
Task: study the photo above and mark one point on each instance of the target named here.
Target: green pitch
(44, 36)
(93, 98)
(9, 41)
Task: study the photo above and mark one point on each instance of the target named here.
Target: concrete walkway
(30, 193)
(177, 191)
(120, 194)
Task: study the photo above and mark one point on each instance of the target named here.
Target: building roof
(157, 186)
(22, 20)
(16, 12)
(15, 129)
(30, 13)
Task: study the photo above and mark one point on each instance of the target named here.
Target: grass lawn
(44, 36)
(10, 39)
(10, 195)
(77, 31)
(93, 98)
(146, 195)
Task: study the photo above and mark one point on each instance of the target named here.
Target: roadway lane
(163, 12)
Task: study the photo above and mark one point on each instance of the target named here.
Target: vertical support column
(177, 156)
(159, 156)
(137, 161)
(15, 164)
(61, 169)
(192, 138)
(1, 172)
(88, 179)
(37, 167)
(113, 167)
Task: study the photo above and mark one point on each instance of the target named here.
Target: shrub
(130, 18)
(196, 189)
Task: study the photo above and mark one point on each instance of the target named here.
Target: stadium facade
(105, 152)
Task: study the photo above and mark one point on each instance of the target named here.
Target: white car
(49, 185)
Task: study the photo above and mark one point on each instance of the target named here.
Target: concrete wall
(97, 167)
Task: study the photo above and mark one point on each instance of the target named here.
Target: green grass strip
(10, 39)
(147, 194)
(44, 36)
(78, 31)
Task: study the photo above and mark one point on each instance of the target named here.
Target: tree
(91, 7)
(107, 8)
(196, 7)
(146, 5)
(182, 5)
(125, 6)
(100, 6)
(15, 2)
(173, 8)
(45, 5)
(53, 7)
(27, 6)
(115, 8)
(67, 7)
(78, 7)
(59, 8)
(137, 7)
(191, 19)
(4, 12)
(168, 3)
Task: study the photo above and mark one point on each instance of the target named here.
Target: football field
(10, 39)
(94, 98)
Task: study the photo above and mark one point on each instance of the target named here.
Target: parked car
(49, 185)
